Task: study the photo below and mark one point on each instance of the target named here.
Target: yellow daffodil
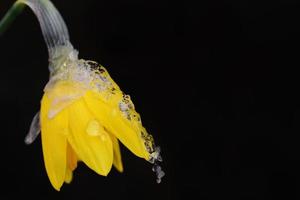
(84, 114)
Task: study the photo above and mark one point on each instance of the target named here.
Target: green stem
(10, 16)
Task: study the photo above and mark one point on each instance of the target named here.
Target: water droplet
(93, 128)
(103, 137)
(114, 112)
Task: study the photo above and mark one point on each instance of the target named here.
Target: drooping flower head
(84, 114)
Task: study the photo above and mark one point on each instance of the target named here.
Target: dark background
(216, 83)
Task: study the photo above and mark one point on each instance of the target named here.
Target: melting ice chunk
(155, 158)
(159, 172)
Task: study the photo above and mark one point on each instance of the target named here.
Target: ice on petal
(155, 155)
(34, 129)
(60, 102)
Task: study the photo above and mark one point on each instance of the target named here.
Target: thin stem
(10, 16)
(53, 27)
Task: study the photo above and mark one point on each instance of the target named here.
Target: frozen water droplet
(123, 107)
(153, 168)
(159, 158)
(34, 129)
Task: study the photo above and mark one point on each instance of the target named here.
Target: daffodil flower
(84, 114)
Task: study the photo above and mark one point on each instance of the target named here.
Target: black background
(216, 83)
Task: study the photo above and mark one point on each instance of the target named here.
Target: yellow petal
(54, 144)
(71, 158)
(68, 176)
(117, 154)
(112, 120)
(95, 151)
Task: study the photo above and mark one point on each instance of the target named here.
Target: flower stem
(53, 27)
(10, 16)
